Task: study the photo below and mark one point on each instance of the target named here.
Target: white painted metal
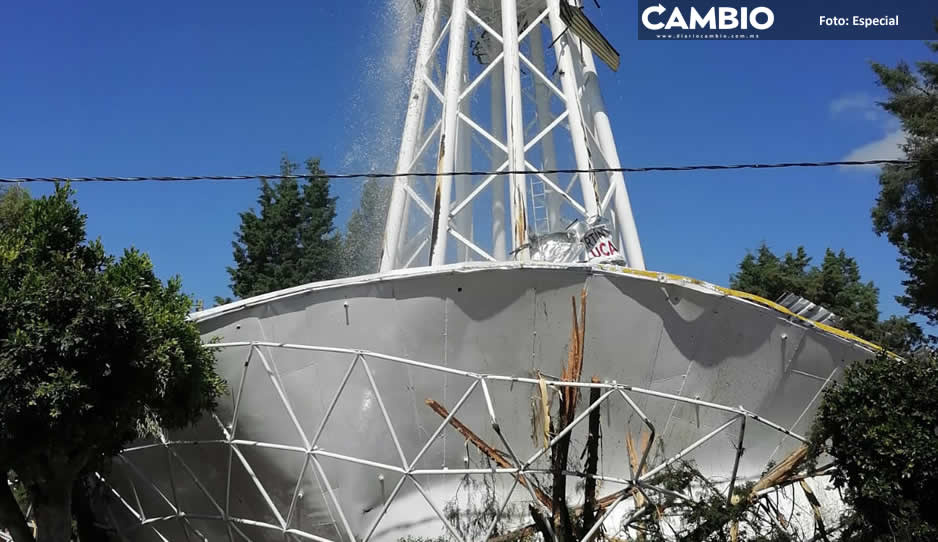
(566, 54)
(625, 221)
(328, 380)
(542, 99)
(498, 32)
(499, 235)
(514, 125)
(446, 160)
(325, 435)
(463, 183)
(413, 125)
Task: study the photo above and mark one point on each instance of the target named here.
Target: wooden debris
(483, 447)
(816, 508)
(592, 460)
(633, 463)
(540, 523)
(563, 526)
(781, 472)
(543, 421)
(522, 533)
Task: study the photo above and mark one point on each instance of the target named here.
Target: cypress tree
(290, 240)
(361, 245)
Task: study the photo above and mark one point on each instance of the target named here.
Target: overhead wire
(379, 175)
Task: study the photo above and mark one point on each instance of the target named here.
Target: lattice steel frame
(520, 468)
(583, 111)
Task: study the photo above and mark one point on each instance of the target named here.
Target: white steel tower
(505, 86)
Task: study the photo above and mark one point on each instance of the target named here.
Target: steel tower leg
(446, 160)
(625, 221)
(565, 62)
(514, 122)
(412, 129)
(463, 220)
(499, 240)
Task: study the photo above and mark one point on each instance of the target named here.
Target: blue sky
(172, 88)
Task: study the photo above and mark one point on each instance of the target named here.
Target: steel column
(625, 221)
(463, 220)
(514, 121)
(570, 87)
(412, 129)
(446, 159)
(499, 240)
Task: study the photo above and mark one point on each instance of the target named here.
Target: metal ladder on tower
(537, 187)
(539, 205)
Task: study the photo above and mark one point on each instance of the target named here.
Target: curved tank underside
(326, 435)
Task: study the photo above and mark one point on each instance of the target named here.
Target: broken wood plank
(815, 508)
(592, 460)
(782, 471)
(484, 447)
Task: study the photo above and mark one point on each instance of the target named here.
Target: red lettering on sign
(604, 247)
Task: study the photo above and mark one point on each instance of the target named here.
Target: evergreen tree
(899, 334)
(880, 422)
(835, 284)
(766, 275)
(290, 240)
(361, 244)
(906, 210)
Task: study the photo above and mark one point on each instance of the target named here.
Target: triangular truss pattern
(266, 486)
(447, 130)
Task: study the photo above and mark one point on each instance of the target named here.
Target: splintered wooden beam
(782, 471)
(563, 523)
(483, 447)
(815, 508)
(567, 373)
(573, 370)
(634, 463)
(592, 459)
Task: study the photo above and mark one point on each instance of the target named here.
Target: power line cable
(347, 176)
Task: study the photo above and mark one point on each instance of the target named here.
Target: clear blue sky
(171, 88)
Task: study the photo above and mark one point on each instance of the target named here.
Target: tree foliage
(13, 201)
(906, 211)
(766, 275)
(290, 240)
(94, 350)
(899, 334)
(835, 284)
(709, 516)
(881, 425)
(362, 242)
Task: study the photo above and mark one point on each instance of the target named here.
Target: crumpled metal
(557, 247)
(580, 242)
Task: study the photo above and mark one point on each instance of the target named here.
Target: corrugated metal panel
(808, 309)
(577, 21)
